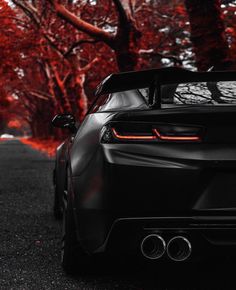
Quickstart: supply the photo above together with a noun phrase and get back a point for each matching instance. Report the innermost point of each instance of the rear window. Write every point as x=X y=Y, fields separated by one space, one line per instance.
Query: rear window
x=211 y=93
x=120 y=101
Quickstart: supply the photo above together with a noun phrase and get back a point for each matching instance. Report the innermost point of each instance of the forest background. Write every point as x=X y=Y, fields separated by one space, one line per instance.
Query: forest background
x=54 y=53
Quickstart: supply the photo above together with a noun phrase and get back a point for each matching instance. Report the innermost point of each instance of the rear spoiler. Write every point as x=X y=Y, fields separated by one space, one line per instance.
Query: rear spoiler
x=155 y=78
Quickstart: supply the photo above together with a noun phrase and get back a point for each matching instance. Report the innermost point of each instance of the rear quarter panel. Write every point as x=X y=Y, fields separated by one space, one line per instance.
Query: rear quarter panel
x=87 y=141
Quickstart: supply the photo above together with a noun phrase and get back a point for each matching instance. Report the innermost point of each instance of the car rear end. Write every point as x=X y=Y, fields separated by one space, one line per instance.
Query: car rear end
x=181 y=186
x=166 y=180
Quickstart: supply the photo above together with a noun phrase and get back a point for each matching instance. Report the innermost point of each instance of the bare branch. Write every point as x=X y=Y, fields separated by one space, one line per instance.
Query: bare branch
x=82 y=25
x=32 y=13
x=29 y=11
x=40 y=95
x=89 y=65
x=122 y=15
x=78 y=43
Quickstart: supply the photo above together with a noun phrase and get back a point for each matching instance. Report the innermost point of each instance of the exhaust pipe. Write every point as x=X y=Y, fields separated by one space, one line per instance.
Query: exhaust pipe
x=153 y=247
x=179 y=249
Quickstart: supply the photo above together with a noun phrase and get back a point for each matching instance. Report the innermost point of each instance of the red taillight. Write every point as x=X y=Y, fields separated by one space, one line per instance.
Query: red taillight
x=175 y=138
x=155 y=135
x=133 y=137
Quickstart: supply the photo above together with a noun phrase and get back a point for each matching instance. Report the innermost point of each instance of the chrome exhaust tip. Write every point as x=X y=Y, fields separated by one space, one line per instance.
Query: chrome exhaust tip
x=153 y=246
x=179 y=249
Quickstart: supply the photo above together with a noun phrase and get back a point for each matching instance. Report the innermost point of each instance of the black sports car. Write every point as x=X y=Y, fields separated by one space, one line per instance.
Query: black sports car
x=151 y=170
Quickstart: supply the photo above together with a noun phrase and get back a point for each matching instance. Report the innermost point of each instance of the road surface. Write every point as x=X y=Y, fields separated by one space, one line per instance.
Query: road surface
x=30 y=239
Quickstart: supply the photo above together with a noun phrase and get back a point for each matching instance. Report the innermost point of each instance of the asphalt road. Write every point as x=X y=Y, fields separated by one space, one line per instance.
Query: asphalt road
x=30 y=239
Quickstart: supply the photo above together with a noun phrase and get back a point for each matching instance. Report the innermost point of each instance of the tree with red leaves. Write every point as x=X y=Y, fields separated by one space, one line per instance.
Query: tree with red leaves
x=208 y=35
x=9 y=33
x=124 y=41
x=63 y=49
x=41 y=77
x=63 y=55
x=60 y=64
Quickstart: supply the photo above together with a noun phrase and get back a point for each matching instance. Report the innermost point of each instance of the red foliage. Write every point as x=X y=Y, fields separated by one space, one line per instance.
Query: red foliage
x=14 y=124
x=47 y=146
x=51 y=64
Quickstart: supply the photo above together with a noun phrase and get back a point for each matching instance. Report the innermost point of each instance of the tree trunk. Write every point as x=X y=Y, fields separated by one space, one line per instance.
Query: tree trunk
x=124 y=42
x=125 y=48
x=32 y=129
x=208 y=35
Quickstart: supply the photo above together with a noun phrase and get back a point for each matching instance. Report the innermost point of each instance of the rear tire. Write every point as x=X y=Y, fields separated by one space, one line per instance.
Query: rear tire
x=73 y=258
x=57 y=207
x=57 y=210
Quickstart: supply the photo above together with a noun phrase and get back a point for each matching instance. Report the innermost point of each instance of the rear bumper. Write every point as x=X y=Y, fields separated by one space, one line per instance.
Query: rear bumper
x=209 y=237
x=122 y=196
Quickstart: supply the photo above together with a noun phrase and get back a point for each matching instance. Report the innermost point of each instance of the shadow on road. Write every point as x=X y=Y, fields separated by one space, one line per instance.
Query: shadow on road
x=142 y=276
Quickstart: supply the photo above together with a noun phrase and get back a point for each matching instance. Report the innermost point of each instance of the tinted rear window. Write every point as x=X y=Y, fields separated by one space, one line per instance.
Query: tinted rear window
x=120 y=101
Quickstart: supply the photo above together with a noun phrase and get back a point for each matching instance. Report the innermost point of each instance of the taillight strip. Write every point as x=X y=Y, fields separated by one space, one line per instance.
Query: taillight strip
x=132 y=137
x=176 y=138
x=157 y=135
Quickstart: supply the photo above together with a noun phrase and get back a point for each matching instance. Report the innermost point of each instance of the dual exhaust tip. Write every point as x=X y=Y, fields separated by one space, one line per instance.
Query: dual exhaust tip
x=154 y=247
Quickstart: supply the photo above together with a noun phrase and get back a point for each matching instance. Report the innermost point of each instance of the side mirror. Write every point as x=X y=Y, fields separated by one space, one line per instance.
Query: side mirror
x=65 y=121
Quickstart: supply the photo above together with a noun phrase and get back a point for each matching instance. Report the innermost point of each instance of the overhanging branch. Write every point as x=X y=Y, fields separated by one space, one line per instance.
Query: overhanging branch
x=82 y=25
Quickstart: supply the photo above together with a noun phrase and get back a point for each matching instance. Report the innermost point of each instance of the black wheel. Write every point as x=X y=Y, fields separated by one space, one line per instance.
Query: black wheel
x=57 y=206
x=73 y=258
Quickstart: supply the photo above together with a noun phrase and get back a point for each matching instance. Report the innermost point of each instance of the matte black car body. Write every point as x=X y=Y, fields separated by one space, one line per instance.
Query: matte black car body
x=123 y=190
